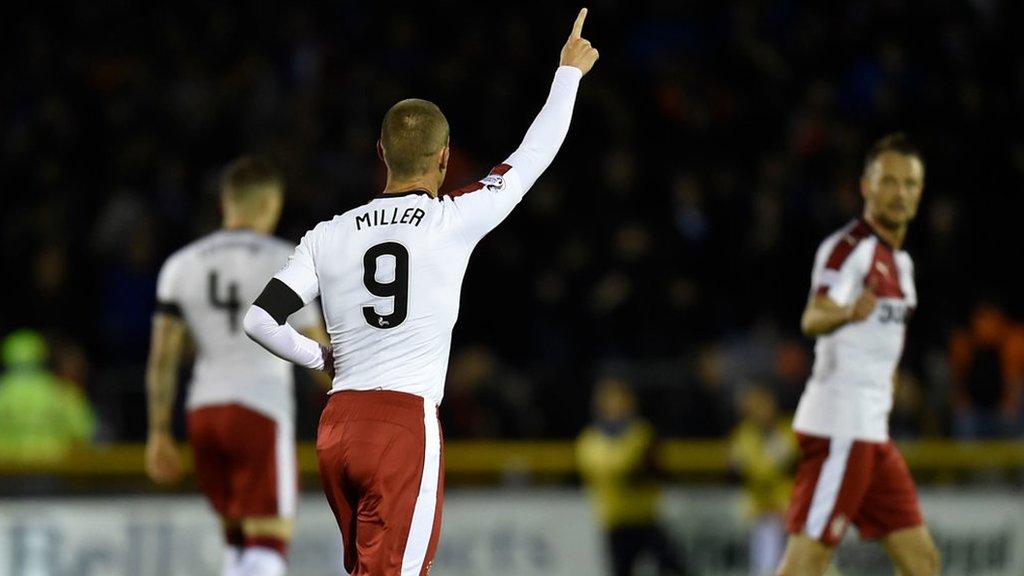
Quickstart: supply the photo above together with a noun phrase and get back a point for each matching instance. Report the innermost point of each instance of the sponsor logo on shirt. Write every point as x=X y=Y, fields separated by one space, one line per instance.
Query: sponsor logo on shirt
x=893 y=313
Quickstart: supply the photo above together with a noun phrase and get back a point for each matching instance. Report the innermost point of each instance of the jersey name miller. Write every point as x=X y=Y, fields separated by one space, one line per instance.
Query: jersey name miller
x=389 y=273
x=385 y=217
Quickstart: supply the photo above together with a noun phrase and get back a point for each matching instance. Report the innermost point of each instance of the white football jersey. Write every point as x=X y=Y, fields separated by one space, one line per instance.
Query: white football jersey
x=850 y=390
x=210 y=283
x=389 y=275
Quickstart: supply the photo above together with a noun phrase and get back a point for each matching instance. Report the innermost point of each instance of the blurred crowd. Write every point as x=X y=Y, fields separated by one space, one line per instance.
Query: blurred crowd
x=670 y=244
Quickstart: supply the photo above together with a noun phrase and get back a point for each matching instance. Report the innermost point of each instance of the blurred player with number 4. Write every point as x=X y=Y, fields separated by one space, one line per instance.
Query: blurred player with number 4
x=388 y=274
x=240 y=402
x=862 y=296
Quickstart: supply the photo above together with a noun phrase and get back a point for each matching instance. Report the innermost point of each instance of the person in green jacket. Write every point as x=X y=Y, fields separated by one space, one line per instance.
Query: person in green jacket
x=41 y=416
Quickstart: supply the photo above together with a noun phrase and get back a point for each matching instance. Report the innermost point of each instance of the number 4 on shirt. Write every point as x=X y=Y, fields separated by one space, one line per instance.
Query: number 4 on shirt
x=232 y=305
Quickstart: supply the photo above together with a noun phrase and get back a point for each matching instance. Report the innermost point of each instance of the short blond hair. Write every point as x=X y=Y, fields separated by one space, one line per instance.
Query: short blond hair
x=248 y=176
x=412 y=133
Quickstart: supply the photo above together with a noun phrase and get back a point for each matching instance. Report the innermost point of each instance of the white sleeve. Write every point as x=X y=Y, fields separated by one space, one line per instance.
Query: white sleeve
x=282 y=340
x=483 y=205
x=299 y=273
x=839 y=272
x=168 y=284
x=907 y=280
x=308 y=317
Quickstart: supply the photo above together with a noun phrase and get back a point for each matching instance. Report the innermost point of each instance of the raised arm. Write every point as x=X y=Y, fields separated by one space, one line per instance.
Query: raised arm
x=483 y=205
x=549 y=128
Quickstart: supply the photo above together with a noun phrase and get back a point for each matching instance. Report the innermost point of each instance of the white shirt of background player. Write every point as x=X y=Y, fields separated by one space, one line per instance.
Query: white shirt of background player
x=891 y=186
x=850 y=390
x=190 y=299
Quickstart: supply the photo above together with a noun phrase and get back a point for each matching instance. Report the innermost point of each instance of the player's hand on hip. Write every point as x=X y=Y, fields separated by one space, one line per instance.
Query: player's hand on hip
x=163 y=463
x=578 y=52
x=865 y=303
x=327 y=353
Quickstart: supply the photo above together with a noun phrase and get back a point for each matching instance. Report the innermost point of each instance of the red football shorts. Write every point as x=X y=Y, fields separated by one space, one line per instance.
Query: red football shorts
x=382 y=469
x=245 y=461
x=842 y=481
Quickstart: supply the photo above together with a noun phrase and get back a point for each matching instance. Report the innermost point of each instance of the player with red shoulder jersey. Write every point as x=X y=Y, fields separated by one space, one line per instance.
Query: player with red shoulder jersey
x=862 y=296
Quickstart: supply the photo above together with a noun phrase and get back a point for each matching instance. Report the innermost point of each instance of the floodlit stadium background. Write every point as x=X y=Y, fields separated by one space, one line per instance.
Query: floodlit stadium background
x=670 y=244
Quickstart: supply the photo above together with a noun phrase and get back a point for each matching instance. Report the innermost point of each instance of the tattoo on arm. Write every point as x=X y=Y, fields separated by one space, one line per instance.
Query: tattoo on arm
x=168 y=336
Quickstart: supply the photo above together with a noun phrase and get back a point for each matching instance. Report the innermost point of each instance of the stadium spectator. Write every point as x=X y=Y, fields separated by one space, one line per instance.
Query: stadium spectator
x=41 y=416
x=987 y=362
x=762 y=451
x=484 y=399
x=615 y=455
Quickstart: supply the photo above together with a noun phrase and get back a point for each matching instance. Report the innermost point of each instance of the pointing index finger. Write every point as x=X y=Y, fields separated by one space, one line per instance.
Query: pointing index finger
x=577 y=26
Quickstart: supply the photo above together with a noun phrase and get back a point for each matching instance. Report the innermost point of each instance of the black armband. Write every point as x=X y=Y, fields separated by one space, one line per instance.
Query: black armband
x=169 y=308
x=279 y=301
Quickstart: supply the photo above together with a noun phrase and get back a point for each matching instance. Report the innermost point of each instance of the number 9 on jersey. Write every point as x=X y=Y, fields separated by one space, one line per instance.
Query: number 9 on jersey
x=398 y=288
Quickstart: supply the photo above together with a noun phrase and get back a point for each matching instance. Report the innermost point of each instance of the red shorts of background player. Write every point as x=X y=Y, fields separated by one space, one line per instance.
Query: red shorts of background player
x=245 y=461
x=844 y=481
x=382 y=469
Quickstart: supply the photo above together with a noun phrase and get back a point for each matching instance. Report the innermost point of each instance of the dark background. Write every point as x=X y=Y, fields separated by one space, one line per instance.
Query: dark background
x=714 y=145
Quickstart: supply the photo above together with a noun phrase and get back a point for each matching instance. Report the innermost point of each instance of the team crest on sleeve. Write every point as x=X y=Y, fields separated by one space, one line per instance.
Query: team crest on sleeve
x=493 y=182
